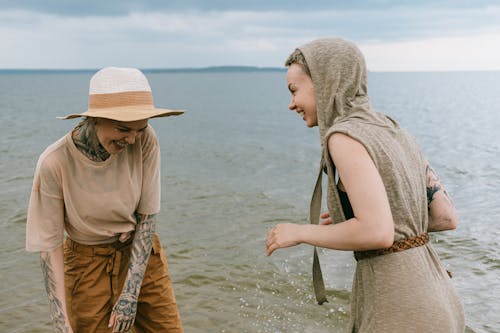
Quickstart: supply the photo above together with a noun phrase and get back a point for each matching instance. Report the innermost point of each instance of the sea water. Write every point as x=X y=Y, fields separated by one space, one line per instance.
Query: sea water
x=237 y=163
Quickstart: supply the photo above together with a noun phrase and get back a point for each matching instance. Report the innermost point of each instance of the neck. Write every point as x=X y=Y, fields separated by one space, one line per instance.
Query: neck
x=85 y=138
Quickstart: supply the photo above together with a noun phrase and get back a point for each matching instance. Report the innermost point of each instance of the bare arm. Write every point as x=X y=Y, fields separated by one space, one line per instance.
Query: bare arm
x=442 y=213
x=52 y=266
x=124 y=311
x=371 y=228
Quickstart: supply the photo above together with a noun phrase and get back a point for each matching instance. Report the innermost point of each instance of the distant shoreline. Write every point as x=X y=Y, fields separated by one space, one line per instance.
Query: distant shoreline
x=211 y=69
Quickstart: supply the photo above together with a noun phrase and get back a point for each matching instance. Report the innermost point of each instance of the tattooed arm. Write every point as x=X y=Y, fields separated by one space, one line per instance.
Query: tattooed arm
x=442 y=213
x=52 y=266
x=124 y=311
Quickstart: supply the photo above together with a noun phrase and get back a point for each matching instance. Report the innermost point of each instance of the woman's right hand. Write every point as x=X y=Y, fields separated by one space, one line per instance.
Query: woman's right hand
x=327 y=219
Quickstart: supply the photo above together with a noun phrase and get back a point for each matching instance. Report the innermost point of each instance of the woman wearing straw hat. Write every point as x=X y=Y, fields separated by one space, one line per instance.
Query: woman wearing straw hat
x=100 y=184
x=387 y=198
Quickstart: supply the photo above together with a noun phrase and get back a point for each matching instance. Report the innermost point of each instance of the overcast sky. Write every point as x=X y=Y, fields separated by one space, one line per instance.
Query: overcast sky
x=393 y=35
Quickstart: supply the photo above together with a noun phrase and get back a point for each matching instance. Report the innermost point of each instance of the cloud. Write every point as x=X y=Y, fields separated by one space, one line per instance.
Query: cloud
x=125 y=7
x=193 y=38
x=478 y=52
x=140 y=39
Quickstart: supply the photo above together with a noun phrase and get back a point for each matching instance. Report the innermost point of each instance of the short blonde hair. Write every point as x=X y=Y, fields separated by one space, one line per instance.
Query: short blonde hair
x=297 y=57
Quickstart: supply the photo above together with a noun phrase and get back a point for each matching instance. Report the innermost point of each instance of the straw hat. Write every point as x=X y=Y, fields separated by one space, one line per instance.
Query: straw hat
x=121 y=94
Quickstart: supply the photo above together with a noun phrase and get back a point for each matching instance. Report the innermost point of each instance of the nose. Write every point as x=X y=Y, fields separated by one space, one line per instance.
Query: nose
x=292 y=105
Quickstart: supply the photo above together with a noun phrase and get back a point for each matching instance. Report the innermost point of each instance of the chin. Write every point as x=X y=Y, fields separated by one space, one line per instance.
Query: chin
x=112 y=151
x=117 y=151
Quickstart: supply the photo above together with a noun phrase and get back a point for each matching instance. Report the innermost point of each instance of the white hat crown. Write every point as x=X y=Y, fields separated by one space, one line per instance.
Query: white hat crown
x=111 y=80
x=121 y=94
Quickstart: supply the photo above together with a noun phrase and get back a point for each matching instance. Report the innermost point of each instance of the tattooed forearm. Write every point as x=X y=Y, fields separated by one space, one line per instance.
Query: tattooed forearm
x=141 y=249
x=85 y=138
x=433 y=184
x=56 y=306
x=126 y=306
x=442 y=214
x=431 y=190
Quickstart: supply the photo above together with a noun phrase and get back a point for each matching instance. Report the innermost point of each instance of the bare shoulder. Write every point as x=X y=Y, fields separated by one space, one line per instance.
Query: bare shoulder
x=354 y=164
x=341 y=146
x=339 y=138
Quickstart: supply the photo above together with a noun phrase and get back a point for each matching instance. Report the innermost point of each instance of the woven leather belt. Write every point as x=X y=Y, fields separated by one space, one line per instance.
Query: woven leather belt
x=397 y=246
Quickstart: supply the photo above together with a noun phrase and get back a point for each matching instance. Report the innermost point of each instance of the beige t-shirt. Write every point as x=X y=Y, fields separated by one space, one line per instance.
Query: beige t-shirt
x=94 y=202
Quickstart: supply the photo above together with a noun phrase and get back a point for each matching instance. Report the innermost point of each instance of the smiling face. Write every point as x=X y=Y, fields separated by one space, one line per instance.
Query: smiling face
x=115 y=136
x=303 y=98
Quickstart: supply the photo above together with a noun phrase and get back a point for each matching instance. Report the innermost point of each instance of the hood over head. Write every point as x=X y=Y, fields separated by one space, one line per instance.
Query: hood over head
x=338 y=72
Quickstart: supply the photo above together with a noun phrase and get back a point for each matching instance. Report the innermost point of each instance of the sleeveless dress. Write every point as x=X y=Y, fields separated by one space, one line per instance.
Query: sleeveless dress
x=381 y=300
x=406 y=291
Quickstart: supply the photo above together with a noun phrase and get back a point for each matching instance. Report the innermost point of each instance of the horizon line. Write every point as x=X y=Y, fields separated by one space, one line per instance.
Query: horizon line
x=227 y=68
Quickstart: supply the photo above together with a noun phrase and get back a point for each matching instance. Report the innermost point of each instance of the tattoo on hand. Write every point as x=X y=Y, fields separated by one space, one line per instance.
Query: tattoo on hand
x=125 y=310
x=56 y=306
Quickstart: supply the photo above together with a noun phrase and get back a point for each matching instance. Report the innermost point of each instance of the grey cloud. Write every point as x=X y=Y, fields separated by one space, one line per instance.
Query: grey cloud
x=123 y=7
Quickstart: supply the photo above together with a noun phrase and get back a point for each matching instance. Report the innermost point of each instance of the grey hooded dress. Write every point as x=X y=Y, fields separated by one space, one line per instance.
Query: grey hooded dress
x=406 y=291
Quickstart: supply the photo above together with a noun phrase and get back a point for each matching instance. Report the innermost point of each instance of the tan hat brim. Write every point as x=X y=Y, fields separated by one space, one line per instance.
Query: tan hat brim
x=126 y=113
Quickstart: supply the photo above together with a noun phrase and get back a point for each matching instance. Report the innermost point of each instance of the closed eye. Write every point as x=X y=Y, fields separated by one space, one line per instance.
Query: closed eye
x=127 y=130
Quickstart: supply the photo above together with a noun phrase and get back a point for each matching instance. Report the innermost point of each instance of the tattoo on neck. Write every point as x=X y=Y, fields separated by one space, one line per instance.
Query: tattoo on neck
x=85 y=138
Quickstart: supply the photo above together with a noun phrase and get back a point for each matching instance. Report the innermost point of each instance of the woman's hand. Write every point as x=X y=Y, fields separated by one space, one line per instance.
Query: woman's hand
x=288 y=234
x=281 y=236
x=326 y=216
x=123 y=314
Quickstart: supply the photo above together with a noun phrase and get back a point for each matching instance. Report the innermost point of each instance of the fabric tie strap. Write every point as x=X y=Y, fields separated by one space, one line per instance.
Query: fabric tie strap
x=314 y=213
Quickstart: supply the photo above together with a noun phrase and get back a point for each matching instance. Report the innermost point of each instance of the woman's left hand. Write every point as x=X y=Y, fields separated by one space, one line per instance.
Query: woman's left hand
x=326 y=218
x=123 y=314
x=282 y=235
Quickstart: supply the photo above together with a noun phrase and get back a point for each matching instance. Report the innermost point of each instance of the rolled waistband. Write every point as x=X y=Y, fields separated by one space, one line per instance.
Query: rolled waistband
x=397 y=246
x=100 y=249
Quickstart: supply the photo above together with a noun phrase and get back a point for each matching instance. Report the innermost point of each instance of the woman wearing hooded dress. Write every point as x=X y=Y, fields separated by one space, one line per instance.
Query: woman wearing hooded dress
x=383 y=198
x=100 y=184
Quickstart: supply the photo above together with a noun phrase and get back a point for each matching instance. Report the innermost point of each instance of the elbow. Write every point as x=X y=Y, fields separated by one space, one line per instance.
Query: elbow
x=444 y=222
x=384 y=236
x=452 y=222
x=450 y=219
x=379 y=235
x=386 y=239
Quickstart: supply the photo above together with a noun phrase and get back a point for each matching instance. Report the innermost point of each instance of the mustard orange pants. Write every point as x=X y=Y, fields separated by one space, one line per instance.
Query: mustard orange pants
x=94 y=277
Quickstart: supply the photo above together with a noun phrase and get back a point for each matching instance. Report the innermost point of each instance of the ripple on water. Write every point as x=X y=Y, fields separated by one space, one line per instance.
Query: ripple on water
x=229 y=175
